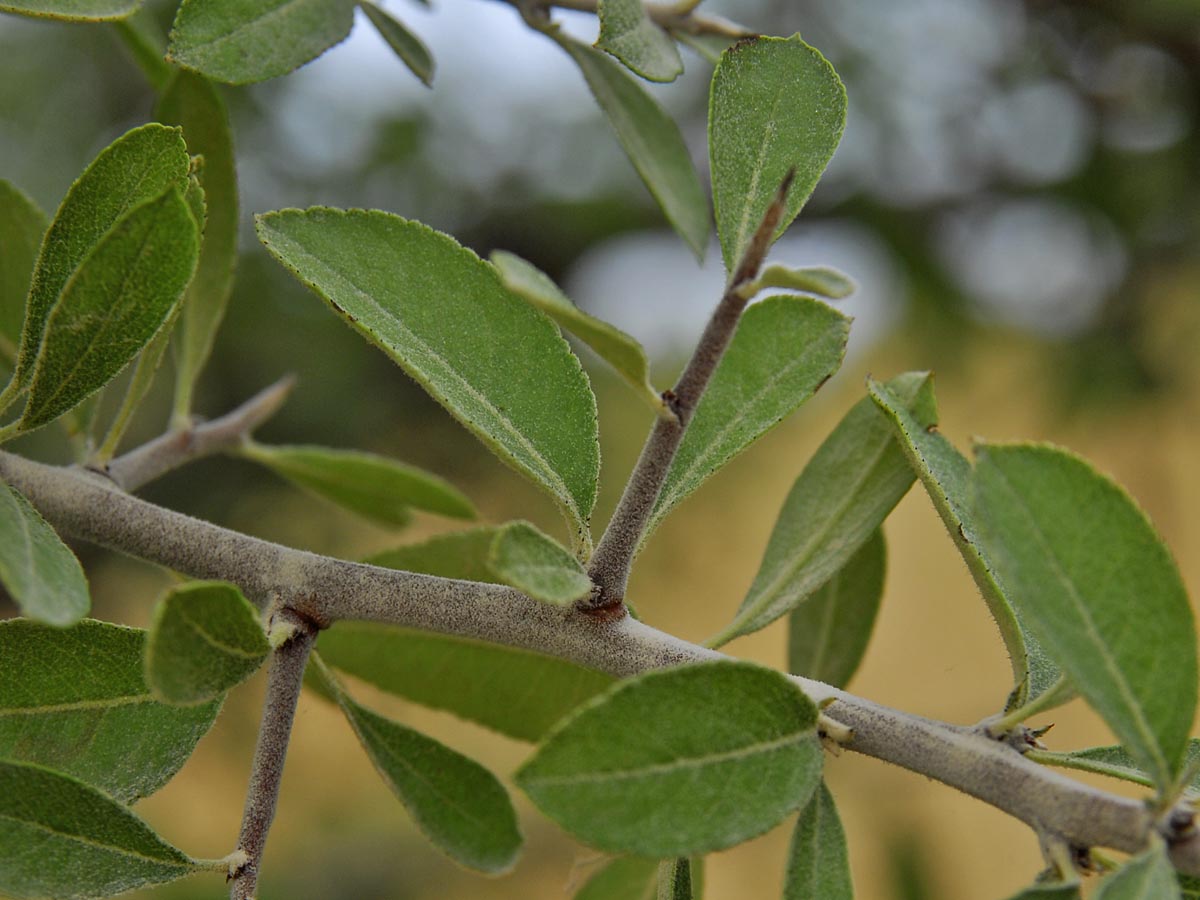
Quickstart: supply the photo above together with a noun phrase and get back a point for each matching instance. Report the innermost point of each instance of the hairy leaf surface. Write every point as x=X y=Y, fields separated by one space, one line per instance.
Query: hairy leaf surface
x=1149 y=876
x=515 y=692
x=509 y=377
x=76 y=700
x=675 y=879
x=206 y=638
x=537 y=565
x=1117 y=762
x=22 y=225
x=73 y=10
x=652 y=142
x=139 y=166
x=848 y=488
x=784 y=349
x=373 y=486
x=62 y=838
x=406 y=45
x=1088 y=574
x=38 y=570
x=460 y=554
x=776 y=103
x=627 y=32
x=818 y=862
x=1049 y=892
x=679 y=761
x=624 y=878
x=820 y=280
x=115 y=302
x=614 y=346
x=828 y=633
x=242 y=41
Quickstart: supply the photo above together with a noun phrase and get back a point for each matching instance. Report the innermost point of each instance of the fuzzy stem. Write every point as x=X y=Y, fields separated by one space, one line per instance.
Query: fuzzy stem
x=279 y=710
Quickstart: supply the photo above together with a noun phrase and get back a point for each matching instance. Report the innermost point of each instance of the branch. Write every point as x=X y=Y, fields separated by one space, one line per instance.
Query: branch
x=610 y=565
x=176 y=448
x=323 y=590
x=279 y=710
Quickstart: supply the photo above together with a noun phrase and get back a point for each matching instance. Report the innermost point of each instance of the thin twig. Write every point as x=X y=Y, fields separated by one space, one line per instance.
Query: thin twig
x=324 y=590
x=279 y=710
x=176 y=448
x=676 y=17
x=610 y=565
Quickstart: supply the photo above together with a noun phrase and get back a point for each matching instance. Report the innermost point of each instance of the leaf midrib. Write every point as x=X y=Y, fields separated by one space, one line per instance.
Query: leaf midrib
x=108 y=848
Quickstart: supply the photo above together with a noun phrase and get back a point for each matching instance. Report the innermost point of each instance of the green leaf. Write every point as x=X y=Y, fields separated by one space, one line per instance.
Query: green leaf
x=139 y=166
x=76 y=700
x=628 y=33
x=707 y=46
x=1115 y=762
x=460 y=554
x=946 y=475
x=22 y=225
x=624 y=878
x=775 y=103
x=652 y=142
x=819 y=862
x=675 y=879
x=1149 y=876
x=62 y=838
x=828 y=632
x=73 y=10
x=373 y=486
x=242 y=41
x=206 y=638
x=1072 y=549
x=1049 y=892
x=406 y=45
x=195 y=104
x=116 y=301
x=1189 y=887
x=679 y=761
x=784 y=349
x=515 y=692
x=510 y=377
x=848 y=488
x=820 y=280
x=38 y=570
x=537 y=565
x=457 y=803
x=614 y=346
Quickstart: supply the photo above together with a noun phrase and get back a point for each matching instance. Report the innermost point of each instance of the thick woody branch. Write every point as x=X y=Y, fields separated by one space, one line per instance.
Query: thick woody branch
x=610 y=565
x=279 y=710
x=177 y=448
x=322 y=590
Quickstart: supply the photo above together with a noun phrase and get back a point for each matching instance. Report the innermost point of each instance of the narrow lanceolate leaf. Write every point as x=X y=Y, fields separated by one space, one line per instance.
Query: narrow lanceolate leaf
x=784 y=349
x=373 y=486
x=1049 y=892
x=1149 y=876
x=848 y=488
x=62 y=838
x=116 y=301
x=38 y=570
x=194 y=103
x=614 y=346
x=206 y=638
x=624 y=878
x=406 y=45
x=22 y=225
x=675 y=879
x=515 y=692
x=242 y=41
x=946 y=475
x=537 y=565
x=820 y=280
x=137 y=167
x=775 y=104
x=652 y=142
x=1087 y=573
x=460 y=554
x=510 y=377
x=628 y=33
x=819 y=862
x=77 y=701
x=1117 y=762
x=457 y=803
x=73 y=10
x=828 y=632
x=679 y=761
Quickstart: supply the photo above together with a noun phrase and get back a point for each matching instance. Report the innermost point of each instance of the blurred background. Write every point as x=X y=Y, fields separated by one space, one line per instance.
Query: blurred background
x=1018 y=196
